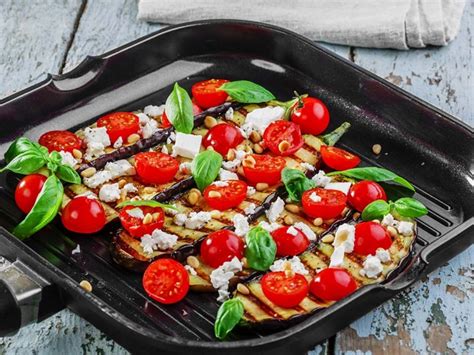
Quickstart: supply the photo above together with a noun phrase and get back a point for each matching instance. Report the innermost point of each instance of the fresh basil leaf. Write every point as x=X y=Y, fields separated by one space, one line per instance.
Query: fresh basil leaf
x=205 y=168
x=296 y=183
x=409 y=207
x=333 y=137
x=149 y=203
x=179 y=110
x=20 y=145
x=375 y=210
x=26 y=162
x=228 y=316
x=247 y=92
x=68 y=174
x=395 y=191
x=44 y=210
x=261 y=249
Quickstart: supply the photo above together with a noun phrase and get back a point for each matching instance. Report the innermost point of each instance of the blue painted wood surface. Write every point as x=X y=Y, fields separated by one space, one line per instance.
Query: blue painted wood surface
x=434 y=316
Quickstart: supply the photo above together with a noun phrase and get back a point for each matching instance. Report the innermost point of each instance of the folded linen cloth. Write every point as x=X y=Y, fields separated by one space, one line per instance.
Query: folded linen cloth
x=399 y=24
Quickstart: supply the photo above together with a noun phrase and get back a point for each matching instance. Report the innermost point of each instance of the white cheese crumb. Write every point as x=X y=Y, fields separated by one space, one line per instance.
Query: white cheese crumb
x=241 y=224
x=118 y=143
x=67 y=158
x=339 y=186
x=154 y=111
x=129 y=188
x=179 y=219
x=345 y=236
x=276 y=208
x=405 y=228
x=388 y=220
x=109 y=192
x=251 y=191
x=76 y=250
x=94 y=150
x=171 y=138
x=295 y=262
x=229 y=114
x=383 y=255
x=307 y=166
x=197 y=220
x=307 y=231
x=225 y=175
x=142 y=118
x=120 y=168
x=149 y=128
x=221 y=276
x=321 y=179
x=250 y=208
x=232 y=165
x=135 y=213
x=158 y=240
x=97 y=179
x=187 y=145
x=337 y=256
x=88 y=194
x=223 y=295
x=260 y=119
x=220 y=183
x=190 y=269
x=372 y=267
x=292 y=231
x=314 y=197
x=269 y=227
x=97 y=135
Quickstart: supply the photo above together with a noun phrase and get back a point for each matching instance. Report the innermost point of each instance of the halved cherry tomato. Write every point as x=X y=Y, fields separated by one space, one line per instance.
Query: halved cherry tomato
x=60 y=140
x=284 y=291
x=166 y=281
x=283 y=137
x=27 y=191
x=165 y=122
x=83 y=215
x=119 y=124
x=155 y=167
x=312 y=115
x=224 y=197
x=331 y=204
x=206 y=93
x=369 y=236
x=289 y=244
x=221 y=246
x=338 y=159
x=332 y=284
x=222 y=137
x=267 y=169
x=365 y=192
x=135 y=226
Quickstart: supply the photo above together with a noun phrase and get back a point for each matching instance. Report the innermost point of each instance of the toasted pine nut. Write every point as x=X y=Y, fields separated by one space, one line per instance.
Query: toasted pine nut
x=257 y=148
x=288 y=269
x=87 y=173
x=155 y=216
x=329 y=238
x=215 y=194
x=249 y=161
x=376 y=221
x=209 y=121
x=243 y=289
x=288 y=220
x=86 y=285
x=356 y=216
x=215 y=214
x=318 y=221
x=261 y=186
x=292 y=208
x=377 y=148
x=193 y=197
x=76 y=153
x=241 y=147
x=240 y=171
x=149 y=190
x=193 y=261
x=244 y=262
x=255 y=137
x=133 y=138
x=231 y=154
x=148 y=218
x=122 y=183
x=283 y=146
x=392 y=231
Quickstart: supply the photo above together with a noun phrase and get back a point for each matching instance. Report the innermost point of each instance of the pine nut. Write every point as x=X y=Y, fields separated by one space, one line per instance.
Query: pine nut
x=193 y=197
x=283 y=146
x=255 y=137
x=244 y=262
x=240 y=171
x=231 y=155
x=86 y=285
x=243 y=289
x=292 y=208
x=376 y=221
x=193 y=261
x=249 y=161
x=215 y=194
x=288 y=220
x=377 y=149
x=288 y=269
x=318 y=221
x=76 y=153
x=209 y=121
x=149 y=190
x=133 y=138
x=392 y=231
x=257 y=148
x=356 y=216
x=261 y=186
x=155 y=216
x=87 y=173
x=122 y=183
x=148 y=218
x=329 y=238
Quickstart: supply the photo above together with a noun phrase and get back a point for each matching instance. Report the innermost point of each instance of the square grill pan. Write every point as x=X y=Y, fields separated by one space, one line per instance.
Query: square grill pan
x=421 y=143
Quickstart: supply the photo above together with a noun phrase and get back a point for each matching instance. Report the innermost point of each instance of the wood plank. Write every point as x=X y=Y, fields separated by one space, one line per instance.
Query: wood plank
x=31 y=43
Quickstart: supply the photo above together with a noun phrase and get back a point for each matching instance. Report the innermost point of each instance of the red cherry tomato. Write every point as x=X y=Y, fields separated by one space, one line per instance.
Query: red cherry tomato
x=365 y=192
x=166 y=281
x=224 y=197
x=83 y=215
x=60 y=140
x=289 y=244
x=221 y=246
x=284 y=291
x=369 y=236
x=279 y=132
x=338 y=159
x=223 y=137
x=331 y=205
x=332 y=284
x=206 y=93
x=267 y=169
x=155 y=167
x=165 y=122
x=27 y=191
x=135 y=226
x=312 y=116
x=119 y=124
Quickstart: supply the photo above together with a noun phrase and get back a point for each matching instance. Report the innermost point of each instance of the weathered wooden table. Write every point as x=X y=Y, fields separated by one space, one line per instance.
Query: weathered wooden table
x=435 y=316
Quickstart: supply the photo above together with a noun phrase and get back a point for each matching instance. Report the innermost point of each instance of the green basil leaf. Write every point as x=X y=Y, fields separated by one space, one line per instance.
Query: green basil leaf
x=409 y=207
x=68 y=174
x=333 y=137
x=375 y=210
x=228 y=316
x=149 y=203
x=247 y=92
x=44 y=210
x=296 y=183
x=179 y=110
x=20 y=145
x=26 y=162
x=394 y=191
x=261 y=249
x=205 y=168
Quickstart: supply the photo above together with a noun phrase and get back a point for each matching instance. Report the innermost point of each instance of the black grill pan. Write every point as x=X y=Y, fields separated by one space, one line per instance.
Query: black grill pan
x=425 y=145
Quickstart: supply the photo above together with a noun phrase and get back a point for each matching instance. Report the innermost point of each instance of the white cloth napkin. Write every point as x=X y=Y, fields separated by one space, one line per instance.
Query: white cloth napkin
x=399 y=24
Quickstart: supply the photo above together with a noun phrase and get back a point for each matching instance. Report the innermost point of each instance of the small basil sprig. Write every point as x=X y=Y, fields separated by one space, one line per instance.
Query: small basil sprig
x=228 y=316
x=205 y=168
x=261 y=249
x=247 y=92
x=149 y=203
x=179 y=110
x=296 y=183
x=405 y=207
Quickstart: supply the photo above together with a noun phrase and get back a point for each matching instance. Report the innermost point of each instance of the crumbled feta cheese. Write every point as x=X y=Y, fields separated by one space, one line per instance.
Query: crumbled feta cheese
x=232 y=165
x=97 y=179
x=388 y=220
x=383 y=255
x=340 y=186
x=314 y=197
x=120 y=168
x=405 y=228
x=225 y=175
x=96 y=135
x=158 y=240
x=187 y=145
x=251 y=191
x=154 y=111
x=129 y=188
x=295 y=263
x=109 y=192
x=185 y=167
x=135 y=213
x=220 y=183
x=260 y=119
x=197 y=220
x=345 y=236
x=372 y=267
x=337 y=256
x=321 y=179
x=229 y=114
x=276 y=208
x=269 y=227
x=142 y=118
x=307 y=166
x=223 y=295
x=179 y=219
x=164 y=149
x=171 y=138
x=292 y=231
x=190 y=270
x=149 y=128
x=67 y=158
x=221 y=276
x=118 y=143
x=94 y=150
x=241 y=224
x=307 y=231
x=76 y=250
x=250 y=208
